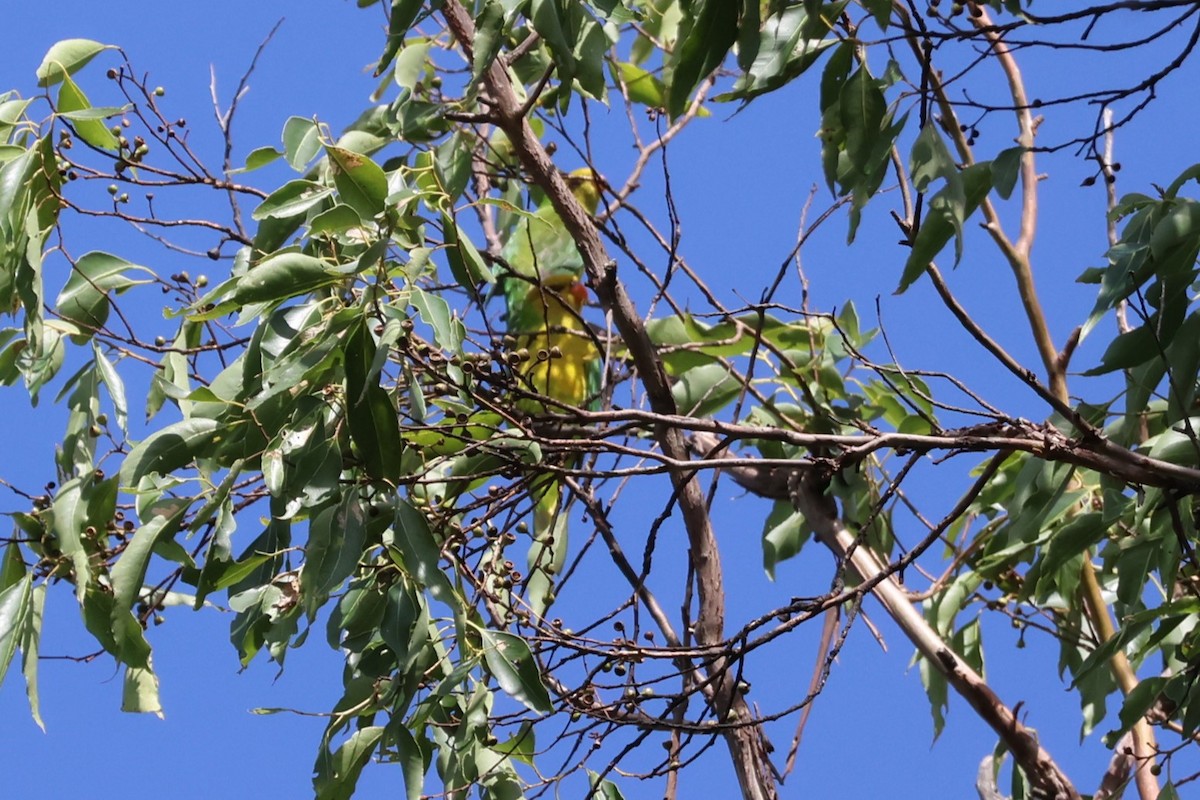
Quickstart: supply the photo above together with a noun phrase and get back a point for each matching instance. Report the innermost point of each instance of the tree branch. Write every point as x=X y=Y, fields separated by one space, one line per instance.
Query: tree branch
x=807 y=488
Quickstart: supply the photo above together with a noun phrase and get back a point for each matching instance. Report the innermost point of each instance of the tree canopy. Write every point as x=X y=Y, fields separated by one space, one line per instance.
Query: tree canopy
x=341 y=446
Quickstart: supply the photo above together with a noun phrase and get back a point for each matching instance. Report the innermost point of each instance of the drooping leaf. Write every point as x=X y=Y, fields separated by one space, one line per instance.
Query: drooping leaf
x=945 y=220
x=418 y=551
x=336 y=537
x=411 y=64
x=862 y=110
x=789 y=42
x=466 y=265
x=709 y=30
x=129 y=572
x=30 y=644
x=400 y=19
x=784 y=533
x=703 y=390
x=95 y=131
x=15 y=606
x=510 y=661
x=374 y=424
x=337 y=773
x=139 y=694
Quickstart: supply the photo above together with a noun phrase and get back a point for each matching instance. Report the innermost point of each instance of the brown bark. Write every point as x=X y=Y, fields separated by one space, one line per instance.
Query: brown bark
x=820 y=513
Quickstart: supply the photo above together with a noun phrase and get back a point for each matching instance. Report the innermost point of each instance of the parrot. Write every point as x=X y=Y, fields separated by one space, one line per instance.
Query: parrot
x=543 y=300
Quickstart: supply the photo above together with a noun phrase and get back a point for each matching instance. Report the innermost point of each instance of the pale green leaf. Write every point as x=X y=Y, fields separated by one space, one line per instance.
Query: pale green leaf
x=140 y=692
x=66 y=58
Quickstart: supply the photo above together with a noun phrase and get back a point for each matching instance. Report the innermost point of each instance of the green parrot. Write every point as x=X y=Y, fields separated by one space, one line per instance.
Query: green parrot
x=543 y=301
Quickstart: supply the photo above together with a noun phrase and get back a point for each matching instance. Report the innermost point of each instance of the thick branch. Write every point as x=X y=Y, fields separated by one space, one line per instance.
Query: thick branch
x=745 y=743
x=820 y=513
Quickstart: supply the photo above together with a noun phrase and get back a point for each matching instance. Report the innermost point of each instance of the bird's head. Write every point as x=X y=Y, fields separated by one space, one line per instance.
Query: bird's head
x=570 y=290
x=585 y=184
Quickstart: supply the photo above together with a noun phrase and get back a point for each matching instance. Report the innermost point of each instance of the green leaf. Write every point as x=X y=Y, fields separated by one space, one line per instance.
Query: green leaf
x=1006 y=168
x=937 y=692
x=1176 y=446
x=360 y=182
x=12 y=112
x=704 y=390
x=1139 y=700
x=139 y=694
x=881 y=10
x=169 y=449
x=129 y=572
x=15 y=606
x=12 y=568
x=257 y=158
x=448 y=331
x=338 y=219
x=115 y=385
x=489 y=36
x=69 y=521
x=1128 y=350
x=602 y=788
x=1179 y=229
x=97 y=618
x=784 y=533
x=337 y=773
x=466 y=265
x=66 y=58
x=510 y=661
x=95 y=132
x=642 y=86
x=945 y=220
x=403 y=14
x=418 y=552
x=789 y=43
x=290 y=200
x=554 y=26
x=282 y=276
x=522 y=745
x=336 y=538
x=709 y=30
x=301 y=142
x=862 y=108
x=29 y=645
x=84 y=299
x=374 y=423
x=930 y=159
x=411 y=64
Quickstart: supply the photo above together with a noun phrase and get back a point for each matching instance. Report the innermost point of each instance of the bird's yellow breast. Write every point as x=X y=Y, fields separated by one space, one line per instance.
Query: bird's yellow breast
x=562 y=356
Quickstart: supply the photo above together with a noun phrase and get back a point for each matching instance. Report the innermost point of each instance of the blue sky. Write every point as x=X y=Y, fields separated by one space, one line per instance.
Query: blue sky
x=869 y=735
